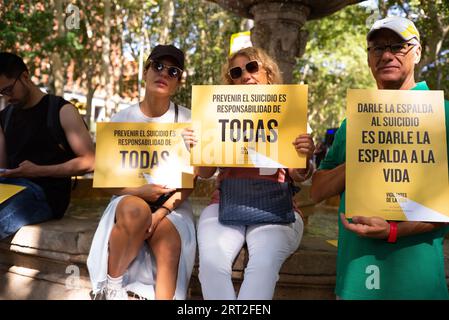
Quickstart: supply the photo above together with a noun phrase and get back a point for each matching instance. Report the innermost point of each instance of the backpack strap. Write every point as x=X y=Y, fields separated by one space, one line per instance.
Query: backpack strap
x=293 y=187
x=8 y=112
x=176 y=113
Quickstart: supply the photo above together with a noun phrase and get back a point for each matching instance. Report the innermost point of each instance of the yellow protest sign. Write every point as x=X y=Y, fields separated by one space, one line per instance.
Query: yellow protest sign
x=133 y=154
x=396 y=155
x=239 y=41
x=248 y=125
x=8 y=190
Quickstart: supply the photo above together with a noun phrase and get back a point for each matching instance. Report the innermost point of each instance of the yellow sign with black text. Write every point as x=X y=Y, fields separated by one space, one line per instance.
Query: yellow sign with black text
x=248 y=125
x=9 y=190
x=396 y=155
x=134 y=154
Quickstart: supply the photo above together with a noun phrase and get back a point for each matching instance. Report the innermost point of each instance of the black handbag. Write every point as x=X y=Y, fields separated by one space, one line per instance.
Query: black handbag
x=256 y=201
x=160 y=201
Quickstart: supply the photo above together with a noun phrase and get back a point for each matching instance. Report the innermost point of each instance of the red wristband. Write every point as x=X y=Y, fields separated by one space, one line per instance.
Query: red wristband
x=392 y=237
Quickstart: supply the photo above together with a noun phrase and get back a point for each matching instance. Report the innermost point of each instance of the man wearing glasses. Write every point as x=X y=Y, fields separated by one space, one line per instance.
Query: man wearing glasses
x=407 y=257
x=31 y=152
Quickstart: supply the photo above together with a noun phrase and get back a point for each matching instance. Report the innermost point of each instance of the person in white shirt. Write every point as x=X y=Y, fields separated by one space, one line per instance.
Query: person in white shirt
x=147 y=231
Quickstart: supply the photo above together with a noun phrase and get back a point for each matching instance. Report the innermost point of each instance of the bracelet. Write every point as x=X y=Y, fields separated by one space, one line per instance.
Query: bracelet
x=392 y=237
x=169 y=211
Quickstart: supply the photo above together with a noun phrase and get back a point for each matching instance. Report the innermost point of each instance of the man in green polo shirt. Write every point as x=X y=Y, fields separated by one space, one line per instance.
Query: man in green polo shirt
x=410 y=265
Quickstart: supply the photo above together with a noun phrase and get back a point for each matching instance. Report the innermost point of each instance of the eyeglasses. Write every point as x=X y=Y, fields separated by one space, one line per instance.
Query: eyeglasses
x=8 y=90
x=173 y=72
x=251 y=67
x=395 y=48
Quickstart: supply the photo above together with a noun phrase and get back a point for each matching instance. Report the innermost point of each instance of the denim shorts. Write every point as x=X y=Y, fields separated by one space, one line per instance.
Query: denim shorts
x=29 y=206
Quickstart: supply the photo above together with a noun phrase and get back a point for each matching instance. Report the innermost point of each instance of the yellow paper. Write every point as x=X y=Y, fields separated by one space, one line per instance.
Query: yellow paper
x=396 y=155
x=248 y=125
x=239 y=41
x=333 y=242
x=134 y=154
x=8 y=190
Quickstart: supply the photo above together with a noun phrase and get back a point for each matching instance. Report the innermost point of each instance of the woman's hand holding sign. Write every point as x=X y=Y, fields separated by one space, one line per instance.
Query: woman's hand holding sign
x=190 y=138
x=304 y=144
x=190 y=141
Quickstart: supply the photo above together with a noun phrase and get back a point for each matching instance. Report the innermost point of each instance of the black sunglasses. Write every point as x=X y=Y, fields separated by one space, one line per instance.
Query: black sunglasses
x=251 y=67
x=173 y=72
x=8 y=90
x=395 y=48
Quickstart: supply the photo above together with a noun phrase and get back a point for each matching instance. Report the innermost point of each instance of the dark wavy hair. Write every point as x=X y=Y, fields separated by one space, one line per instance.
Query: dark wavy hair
x=11 y=65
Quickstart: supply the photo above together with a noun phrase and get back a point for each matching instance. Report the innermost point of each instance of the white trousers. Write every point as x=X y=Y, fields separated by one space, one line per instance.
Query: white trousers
x=269 y=245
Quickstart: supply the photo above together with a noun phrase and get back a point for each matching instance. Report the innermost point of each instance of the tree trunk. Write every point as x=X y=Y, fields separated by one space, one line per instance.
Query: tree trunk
x=435 y=38
x=118 y=74
x=106 y=58
x=167 y=13
x=57 y=64
x=141 y=58
x=91 y=88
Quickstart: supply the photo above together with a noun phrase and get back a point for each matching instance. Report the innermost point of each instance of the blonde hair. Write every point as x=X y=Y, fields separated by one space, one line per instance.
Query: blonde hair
x=253 y=53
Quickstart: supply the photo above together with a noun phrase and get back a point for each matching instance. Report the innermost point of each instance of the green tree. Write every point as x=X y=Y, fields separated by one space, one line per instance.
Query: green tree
x=28 y=29
x=205 y=37
x=335 y=57
x=334 y=61
x=200 y=28
x=432 y=20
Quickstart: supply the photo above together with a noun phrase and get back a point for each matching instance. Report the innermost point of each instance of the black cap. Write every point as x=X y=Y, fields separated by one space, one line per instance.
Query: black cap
x=168 y=51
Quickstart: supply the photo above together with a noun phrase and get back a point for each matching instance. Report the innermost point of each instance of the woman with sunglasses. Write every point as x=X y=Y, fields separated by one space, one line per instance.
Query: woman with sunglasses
x=269 y=245
x=145 y=242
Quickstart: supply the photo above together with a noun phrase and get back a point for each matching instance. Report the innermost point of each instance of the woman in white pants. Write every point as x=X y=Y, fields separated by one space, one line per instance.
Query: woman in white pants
x=269 y=245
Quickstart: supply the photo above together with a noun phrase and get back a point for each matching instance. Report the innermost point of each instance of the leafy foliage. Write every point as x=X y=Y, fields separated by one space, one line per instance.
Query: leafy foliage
x=335 y=60
x=335 y=57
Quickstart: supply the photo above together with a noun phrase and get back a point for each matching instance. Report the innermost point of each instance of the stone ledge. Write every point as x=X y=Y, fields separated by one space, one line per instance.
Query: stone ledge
x=48 y=254
x=42 y=264
x=37 y=256
x=68 y=241
x=68 y=236
x=82 y=282
x=27 y=284
x=43 y=252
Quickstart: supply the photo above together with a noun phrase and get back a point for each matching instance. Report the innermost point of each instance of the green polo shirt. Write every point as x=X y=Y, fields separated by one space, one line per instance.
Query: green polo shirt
x=412 y=268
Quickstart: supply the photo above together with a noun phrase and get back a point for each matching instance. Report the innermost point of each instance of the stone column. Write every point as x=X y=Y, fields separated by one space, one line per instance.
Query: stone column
x=277 y=29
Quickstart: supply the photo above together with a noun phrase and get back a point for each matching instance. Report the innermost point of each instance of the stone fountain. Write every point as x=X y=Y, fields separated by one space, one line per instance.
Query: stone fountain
x=278 y=25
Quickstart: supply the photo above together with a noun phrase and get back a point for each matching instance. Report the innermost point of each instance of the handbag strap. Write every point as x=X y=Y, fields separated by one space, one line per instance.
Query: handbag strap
x=293 y=187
